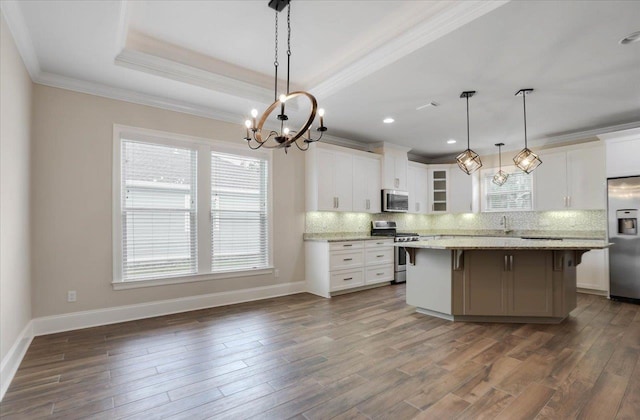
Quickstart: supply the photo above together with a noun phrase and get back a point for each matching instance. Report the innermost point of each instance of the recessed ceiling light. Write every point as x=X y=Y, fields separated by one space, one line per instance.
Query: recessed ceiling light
x=634 y=37
x=388 y=120
x=451 y=141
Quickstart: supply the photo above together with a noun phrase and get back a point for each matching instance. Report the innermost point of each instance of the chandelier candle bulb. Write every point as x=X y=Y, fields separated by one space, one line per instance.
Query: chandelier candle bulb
x=321 y=114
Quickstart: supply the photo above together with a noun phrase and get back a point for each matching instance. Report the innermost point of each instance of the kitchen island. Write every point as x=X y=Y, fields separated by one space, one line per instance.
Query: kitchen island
x=491 y=279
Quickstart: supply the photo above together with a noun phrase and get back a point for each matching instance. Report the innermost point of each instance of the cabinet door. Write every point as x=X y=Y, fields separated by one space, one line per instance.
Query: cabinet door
x=366 y=184
x=326 y=176
x=401 y=169
x=343 y=181
x=417 y=184
x=550 y=181
x=462 y=190
x=587 y=179
x=485 y=283
x=439 y=187
x=531 y=283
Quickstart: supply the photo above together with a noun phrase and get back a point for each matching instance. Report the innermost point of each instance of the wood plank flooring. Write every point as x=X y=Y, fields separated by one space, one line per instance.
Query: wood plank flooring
x=358 y=356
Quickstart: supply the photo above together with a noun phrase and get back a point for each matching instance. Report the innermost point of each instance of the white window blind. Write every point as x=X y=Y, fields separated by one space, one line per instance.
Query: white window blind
x=158 y=187
x=239 y=219
x=515 y=194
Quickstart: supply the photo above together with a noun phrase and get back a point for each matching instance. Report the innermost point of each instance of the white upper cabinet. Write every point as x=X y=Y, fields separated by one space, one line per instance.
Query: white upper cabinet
x=394 y=166
x=329 y=180
x=418 y=187
x=464 y=195
x=573 y=179
x=439 y=187
x=366 y=184
x=342 y=179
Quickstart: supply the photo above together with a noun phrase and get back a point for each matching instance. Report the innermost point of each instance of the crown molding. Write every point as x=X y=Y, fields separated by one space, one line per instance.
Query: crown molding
x=18 y=28
x=420 y=35
x=92 y=88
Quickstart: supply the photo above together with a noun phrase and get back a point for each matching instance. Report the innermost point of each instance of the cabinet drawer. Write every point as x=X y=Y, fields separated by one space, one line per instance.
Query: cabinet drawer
x=339 y=246
x=347 y=279
x=379 y=256
x=378 y=242
x=379 y=274
x=340 y=260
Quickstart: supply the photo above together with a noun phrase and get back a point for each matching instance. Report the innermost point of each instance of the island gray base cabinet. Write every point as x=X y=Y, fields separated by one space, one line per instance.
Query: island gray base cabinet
x=494 y=285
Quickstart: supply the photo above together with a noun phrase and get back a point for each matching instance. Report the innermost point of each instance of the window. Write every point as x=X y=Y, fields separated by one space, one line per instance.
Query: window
x=238 y=212
x=188 y=209
x=158 y=210
x=514 y=195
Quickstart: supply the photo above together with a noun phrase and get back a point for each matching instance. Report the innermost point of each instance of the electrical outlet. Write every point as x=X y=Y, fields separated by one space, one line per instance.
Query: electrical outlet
x=71 y=296
x=276 y=273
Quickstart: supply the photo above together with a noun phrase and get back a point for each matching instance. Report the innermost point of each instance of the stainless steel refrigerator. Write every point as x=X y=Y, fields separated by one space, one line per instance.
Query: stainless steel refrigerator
x=624 y=254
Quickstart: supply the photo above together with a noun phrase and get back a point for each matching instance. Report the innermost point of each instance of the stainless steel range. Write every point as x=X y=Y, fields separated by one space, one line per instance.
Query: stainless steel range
x=388 y=228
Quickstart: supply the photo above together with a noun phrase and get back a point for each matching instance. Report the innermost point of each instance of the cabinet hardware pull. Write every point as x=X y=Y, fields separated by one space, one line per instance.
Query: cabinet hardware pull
x=506 y=263
x=510 y=262
x=569 y=200
x=379 y=256
x=348 y=245
x=347 y=259
x=379 y=243
x=338 y=200
x=348 y=278
x=379 y=274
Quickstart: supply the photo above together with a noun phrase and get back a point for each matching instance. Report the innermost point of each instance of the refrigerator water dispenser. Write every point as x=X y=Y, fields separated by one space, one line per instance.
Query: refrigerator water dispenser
x=627 y=221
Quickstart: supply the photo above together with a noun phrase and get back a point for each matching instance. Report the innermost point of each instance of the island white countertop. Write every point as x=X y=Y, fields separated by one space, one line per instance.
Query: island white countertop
x=506 y=243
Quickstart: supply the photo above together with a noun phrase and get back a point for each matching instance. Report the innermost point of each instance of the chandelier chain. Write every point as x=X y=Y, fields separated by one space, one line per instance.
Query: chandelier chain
x=288 y=45
x=275 y=63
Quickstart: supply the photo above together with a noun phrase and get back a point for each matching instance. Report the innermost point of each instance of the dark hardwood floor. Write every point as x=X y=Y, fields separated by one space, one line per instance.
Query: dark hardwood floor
x=361 y=355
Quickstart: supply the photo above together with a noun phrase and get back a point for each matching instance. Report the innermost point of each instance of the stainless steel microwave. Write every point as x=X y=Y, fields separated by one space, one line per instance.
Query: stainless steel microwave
x=395 y=201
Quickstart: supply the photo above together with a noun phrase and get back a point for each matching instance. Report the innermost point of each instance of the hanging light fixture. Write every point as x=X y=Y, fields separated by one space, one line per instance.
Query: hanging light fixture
x=501 y=176
x=469 y=161
x=257 y=136
x=526 y=159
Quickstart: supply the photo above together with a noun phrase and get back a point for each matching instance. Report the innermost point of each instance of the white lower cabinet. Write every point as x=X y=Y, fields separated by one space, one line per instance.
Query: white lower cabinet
x=339 y=266
x=592 y=274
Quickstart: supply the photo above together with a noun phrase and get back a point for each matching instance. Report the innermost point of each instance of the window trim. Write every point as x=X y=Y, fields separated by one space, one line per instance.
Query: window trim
x=204 y=147
x=510 y=169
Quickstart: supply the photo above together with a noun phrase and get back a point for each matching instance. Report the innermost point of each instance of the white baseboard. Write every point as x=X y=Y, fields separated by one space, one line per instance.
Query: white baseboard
x=592 y=291
x=97 y=317
x=11 y=361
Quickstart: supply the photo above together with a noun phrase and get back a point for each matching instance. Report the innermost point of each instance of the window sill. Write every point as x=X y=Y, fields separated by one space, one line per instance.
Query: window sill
x=136 y=284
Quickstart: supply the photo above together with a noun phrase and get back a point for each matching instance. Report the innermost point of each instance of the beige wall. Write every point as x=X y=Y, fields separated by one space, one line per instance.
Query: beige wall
x=15 y=139
x=72 y=170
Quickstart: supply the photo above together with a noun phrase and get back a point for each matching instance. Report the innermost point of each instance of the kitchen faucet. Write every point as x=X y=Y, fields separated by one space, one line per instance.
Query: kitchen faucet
x=504 y=224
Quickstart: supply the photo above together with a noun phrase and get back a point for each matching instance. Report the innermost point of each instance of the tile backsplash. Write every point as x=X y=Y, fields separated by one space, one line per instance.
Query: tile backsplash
x=566 y=220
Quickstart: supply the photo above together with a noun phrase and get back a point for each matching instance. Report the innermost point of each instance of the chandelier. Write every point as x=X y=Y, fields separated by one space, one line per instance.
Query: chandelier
x=257 y=136
x=468 y=161
x=526 y=159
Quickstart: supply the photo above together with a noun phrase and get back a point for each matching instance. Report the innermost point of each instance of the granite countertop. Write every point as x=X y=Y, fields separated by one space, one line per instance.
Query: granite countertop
x=506 y=243
x=537 y=234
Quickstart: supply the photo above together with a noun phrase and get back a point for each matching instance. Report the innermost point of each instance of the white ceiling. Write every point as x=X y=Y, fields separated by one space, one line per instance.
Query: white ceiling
x=364 y=61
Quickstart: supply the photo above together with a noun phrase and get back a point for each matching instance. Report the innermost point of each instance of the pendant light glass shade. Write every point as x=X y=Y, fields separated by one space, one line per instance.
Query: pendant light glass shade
x=469 y=161
x=526 y=160
x=501 y=176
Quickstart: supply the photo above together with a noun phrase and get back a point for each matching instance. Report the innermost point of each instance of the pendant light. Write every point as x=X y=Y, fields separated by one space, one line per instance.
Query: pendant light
x=257 y=136
x=526 y=159
x=501 y=176
x=468 y=161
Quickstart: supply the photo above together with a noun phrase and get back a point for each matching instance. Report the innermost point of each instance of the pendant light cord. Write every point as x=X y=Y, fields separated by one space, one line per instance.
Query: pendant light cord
x=468 y=142
x=524 y=107
x=500 y=157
